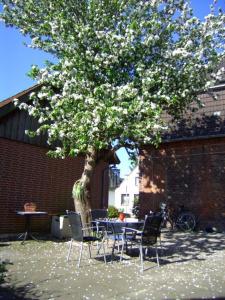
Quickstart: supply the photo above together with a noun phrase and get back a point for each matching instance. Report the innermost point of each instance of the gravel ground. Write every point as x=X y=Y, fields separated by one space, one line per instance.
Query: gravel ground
x=192 y=266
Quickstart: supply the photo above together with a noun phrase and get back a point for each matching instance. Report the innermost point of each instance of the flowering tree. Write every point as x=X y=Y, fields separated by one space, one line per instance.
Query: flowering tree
x=120 y=64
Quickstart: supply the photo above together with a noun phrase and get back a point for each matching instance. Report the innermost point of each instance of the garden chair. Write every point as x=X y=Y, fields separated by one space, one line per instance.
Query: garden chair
x=98 y=214
x=83 y=235
x=113 y=232
x=145 y=238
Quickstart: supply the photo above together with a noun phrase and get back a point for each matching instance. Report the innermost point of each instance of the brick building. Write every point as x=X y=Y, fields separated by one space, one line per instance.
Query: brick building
x=27 y=174
x=188 y=168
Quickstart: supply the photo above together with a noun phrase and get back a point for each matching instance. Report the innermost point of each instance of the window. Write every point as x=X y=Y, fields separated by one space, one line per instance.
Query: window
x=125 y=199
x=136 y=181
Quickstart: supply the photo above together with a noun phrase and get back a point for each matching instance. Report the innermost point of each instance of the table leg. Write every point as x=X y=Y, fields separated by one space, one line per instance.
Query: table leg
x=113 y=248
x=32 y=237
x=25 y=237
x=20 y=235
x=27 y=229
x=27 y=234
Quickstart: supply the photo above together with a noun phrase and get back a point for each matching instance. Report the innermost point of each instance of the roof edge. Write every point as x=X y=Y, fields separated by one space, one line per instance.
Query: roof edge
x=7 y=106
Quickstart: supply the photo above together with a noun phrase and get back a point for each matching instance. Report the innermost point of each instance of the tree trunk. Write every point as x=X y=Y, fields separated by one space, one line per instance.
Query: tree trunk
x=83 y=204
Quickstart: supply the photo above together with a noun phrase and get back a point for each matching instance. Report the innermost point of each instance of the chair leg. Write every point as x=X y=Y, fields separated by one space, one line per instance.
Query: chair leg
x=80 y=255
x=146 y=251
x=118 y=243
x=98 y=247
x=70 y=247
x=141 y=257
x=113 y=249
x=97 y=225
x=160 y=244
x=157 y=256
x=103 y=248
x=89 y=249
x=122 y=248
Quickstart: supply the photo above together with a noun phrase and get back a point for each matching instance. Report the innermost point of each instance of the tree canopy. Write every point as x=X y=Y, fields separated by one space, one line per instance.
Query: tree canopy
x=121 y=64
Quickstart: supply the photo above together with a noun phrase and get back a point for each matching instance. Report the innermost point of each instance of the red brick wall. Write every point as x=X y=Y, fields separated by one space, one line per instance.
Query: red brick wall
x=27 y=174
x=190 y=173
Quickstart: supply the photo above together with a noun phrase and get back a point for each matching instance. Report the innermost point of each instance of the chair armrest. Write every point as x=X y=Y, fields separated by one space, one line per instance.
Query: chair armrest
x=93 y=227
x=94 y=222
x=131 y=229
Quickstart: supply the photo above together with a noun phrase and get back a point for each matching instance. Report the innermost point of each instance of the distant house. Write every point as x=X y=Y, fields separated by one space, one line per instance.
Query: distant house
x=189 y=166
x=114 y=182
x=27 y=174
x=128 y=191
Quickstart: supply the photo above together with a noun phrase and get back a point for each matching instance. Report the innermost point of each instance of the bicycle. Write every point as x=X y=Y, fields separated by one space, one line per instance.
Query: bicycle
x=183 y=219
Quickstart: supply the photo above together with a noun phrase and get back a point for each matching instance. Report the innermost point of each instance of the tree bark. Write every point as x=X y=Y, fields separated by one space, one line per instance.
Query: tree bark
x=83 y=206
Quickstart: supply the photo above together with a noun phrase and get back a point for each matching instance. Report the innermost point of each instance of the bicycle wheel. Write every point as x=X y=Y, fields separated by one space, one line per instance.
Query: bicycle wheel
x=186 y=221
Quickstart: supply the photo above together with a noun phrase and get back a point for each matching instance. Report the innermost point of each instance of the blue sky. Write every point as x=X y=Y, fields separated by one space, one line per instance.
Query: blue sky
x=16 y=60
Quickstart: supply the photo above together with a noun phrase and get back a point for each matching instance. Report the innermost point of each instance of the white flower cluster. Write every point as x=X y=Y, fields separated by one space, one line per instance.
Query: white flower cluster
x=120 y=65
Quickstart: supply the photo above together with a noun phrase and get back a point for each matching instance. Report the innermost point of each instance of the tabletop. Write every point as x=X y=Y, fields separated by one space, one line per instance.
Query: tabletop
x=29 y=213
x=118 y=221
x=117 y=225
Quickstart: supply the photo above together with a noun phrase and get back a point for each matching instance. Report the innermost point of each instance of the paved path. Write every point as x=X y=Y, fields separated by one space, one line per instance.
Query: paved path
x=192 y=267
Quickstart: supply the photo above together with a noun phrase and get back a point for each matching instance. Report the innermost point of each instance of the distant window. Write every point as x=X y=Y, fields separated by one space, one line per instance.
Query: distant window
x=136 y=181
x=125 y=199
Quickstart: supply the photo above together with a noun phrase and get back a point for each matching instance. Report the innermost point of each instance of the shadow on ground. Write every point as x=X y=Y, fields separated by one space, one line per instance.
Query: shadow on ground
x=181 y=247
x=191 y=246
x=9 y=292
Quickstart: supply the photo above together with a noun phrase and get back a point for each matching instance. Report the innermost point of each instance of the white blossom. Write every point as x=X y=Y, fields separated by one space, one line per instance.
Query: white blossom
x=117 y=68
x=16 y=101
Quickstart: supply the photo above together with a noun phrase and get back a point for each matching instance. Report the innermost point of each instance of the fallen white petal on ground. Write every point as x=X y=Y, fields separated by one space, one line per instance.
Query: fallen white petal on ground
x=192 y=266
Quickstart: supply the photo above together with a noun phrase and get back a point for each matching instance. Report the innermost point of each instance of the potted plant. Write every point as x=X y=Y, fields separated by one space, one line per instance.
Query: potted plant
x=121 y=214
x=113 y=212
x=30 y=206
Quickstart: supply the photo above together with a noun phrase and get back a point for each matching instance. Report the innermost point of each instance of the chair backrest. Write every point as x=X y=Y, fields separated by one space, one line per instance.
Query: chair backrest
x=151 y=229
x=98 y=214
x=116 y=227
x=76 y=225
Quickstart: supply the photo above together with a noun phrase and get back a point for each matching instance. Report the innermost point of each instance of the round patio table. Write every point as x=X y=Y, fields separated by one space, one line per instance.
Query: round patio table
x=115 y=231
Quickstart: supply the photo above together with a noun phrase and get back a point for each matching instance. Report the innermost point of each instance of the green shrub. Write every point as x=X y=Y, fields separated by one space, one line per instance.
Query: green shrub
x=2 y=272
x=113 y=212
